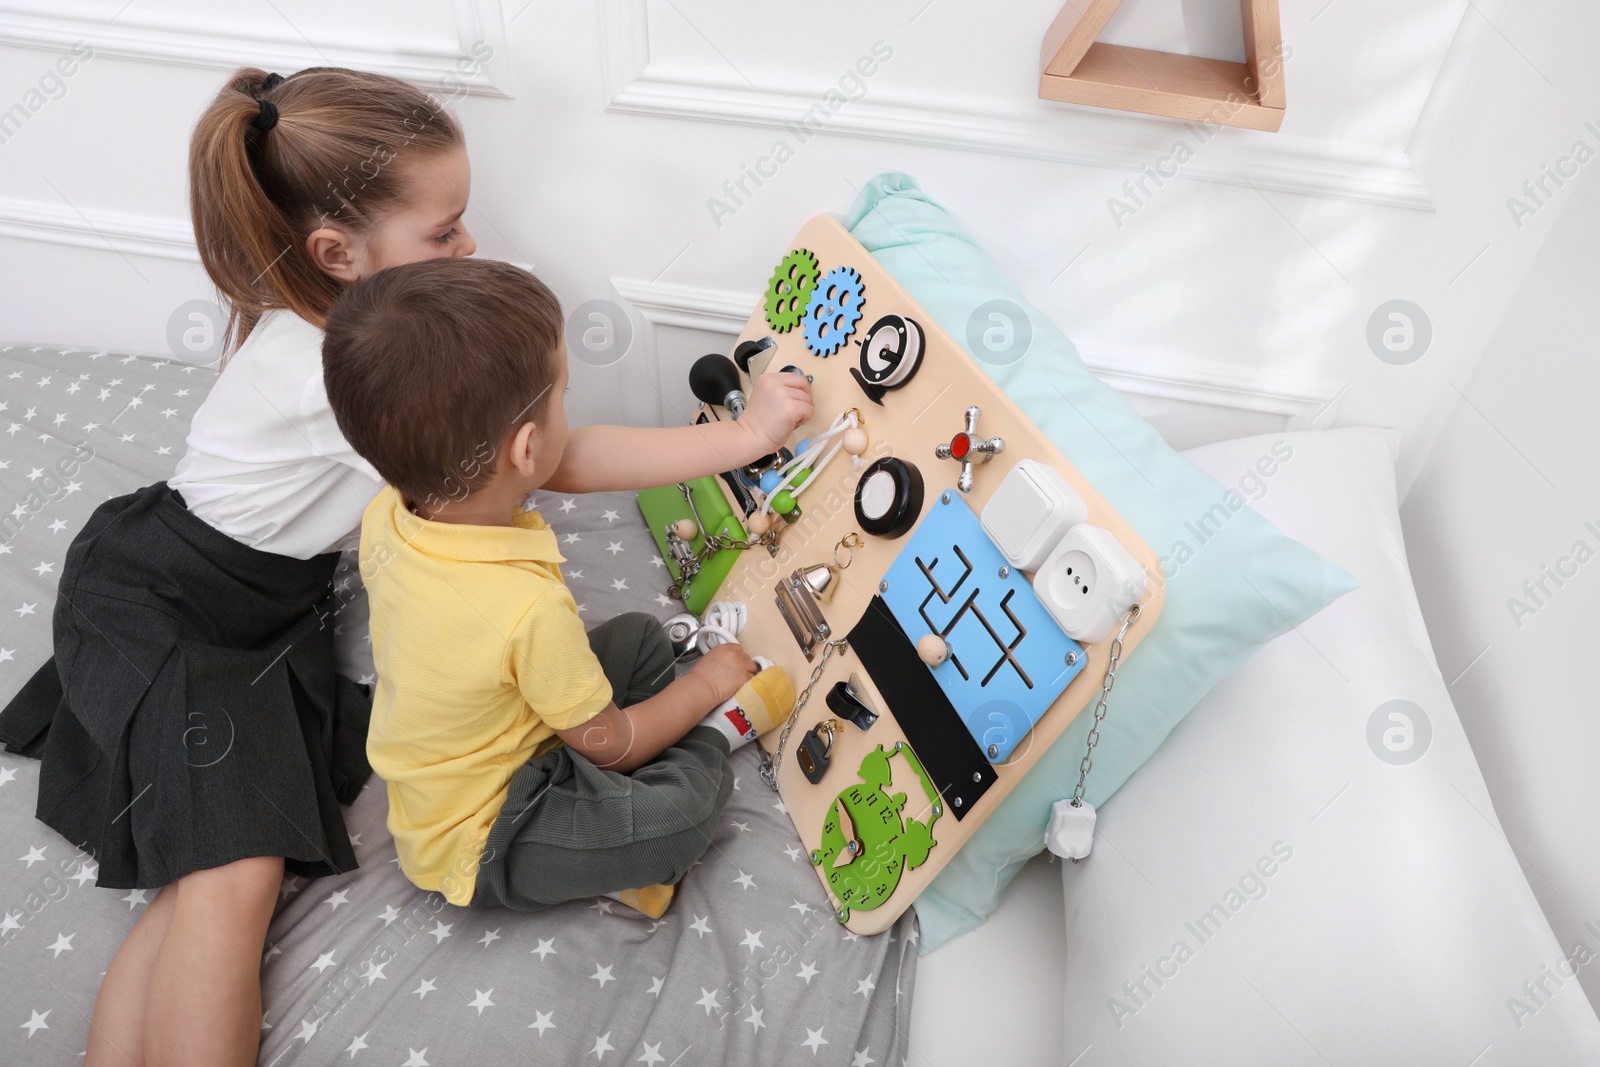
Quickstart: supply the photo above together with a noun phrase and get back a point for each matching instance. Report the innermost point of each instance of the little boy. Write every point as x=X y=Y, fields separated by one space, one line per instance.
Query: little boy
x=528 y=763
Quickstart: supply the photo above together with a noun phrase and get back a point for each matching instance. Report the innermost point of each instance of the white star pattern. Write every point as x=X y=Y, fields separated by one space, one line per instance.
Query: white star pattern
x=357 y=946
x=37 y=1022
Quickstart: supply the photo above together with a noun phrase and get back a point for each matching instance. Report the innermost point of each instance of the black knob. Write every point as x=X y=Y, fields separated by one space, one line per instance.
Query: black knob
x=715 y=380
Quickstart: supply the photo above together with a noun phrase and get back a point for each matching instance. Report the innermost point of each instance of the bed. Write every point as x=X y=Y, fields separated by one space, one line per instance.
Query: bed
x=746 y=966
x=1400 y=930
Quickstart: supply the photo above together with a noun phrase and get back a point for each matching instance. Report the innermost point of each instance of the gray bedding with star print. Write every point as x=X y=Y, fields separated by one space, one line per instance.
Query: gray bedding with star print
x=745 y=967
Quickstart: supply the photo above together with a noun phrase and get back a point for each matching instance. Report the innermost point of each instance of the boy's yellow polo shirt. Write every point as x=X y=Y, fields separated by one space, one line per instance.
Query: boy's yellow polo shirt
x=481 y=656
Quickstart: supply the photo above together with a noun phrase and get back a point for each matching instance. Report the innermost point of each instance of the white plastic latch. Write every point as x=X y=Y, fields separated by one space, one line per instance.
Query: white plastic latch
x=1071 y=831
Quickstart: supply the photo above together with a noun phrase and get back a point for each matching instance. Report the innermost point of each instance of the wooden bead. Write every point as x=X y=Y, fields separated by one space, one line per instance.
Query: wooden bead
x=759 y=523
x=685 y=529
x=855 y=441
x=932 y=649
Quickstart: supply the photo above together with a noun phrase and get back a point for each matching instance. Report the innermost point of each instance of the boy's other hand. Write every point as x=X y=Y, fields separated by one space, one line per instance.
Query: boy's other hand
x=779 y=404
x=725 y=668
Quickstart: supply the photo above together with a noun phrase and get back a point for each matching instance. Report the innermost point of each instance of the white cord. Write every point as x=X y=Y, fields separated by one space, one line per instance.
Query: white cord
x=723 y=621
x=844 y=422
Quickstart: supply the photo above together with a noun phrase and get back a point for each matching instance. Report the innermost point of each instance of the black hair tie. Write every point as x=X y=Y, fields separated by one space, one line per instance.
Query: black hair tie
x=268 y=116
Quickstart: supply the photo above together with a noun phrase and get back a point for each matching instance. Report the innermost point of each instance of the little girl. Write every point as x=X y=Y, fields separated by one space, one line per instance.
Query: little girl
x=193 y=732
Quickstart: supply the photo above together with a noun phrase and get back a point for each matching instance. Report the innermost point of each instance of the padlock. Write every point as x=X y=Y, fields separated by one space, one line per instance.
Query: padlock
x=814 y=753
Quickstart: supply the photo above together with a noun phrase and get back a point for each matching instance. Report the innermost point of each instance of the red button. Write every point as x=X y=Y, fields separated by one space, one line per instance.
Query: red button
x=960 y=445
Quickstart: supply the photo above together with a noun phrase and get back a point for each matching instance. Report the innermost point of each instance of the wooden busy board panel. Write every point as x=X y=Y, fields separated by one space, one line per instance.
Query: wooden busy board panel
x=913 y=419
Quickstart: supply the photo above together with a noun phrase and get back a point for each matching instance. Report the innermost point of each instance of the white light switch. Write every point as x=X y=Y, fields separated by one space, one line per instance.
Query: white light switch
x=1031 y=509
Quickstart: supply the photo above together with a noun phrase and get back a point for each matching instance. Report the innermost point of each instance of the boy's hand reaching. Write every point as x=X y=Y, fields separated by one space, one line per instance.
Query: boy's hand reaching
x=726 y=667
x=779 y=404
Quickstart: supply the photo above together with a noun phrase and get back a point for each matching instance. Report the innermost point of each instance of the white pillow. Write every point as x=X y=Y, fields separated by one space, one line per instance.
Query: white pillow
x=1267 y=889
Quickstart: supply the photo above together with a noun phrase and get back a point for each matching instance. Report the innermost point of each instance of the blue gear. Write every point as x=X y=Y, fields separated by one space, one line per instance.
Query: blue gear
x=833 y=311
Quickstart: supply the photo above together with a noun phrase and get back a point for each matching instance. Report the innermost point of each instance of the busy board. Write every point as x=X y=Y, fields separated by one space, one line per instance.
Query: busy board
x=953 y=581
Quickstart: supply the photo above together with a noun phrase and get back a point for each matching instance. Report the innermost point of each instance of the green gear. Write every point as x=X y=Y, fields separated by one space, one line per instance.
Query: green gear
x=790 y=289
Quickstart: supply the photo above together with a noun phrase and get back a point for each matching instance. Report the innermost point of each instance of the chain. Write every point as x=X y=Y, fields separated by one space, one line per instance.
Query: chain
x=769 y=764
x=1100 y=708
x=715 y=542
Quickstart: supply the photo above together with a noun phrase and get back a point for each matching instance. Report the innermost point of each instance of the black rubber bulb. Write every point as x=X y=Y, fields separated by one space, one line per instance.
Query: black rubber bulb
x=715 y=380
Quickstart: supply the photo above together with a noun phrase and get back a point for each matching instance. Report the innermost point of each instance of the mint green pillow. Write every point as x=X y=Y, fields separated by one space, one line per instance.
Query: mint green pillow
x=1245 y=585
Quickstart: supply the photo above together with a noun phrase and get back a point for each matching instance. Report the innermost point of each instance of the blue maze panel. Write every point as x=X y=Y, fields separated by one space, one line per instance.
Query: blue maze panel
x=1008 y=658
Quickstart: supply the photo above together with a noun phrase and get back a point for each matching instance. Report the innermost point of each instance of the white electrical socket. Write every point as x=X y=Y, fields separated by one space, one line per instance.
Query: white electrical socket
x=1089 y=582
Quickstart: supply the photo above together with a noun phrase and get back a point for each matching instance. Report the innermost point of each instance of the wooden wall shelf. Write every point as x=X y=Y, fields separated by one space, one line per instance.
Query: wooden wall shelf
x=1078 y=69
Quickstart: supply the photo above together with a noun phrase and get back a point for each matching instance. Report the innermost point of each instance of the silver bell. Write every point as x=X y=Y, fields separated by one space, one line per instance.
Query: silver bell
x=822 y=579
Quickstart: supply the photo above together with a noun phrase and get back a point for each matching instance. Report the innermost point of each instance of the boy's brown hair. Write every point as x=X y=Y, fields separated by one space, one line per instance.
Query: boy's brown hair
x=431 y=366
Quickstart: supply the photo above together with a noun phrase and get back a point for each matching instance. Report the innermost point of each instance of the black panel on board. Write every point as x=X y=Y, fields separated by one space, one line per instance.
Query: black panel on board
x=937 y=735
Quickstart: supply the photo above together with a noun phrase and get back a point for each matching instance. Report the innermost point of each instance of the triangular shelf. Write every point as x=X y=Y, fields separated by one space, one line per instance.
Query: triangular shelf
x=1079 y=69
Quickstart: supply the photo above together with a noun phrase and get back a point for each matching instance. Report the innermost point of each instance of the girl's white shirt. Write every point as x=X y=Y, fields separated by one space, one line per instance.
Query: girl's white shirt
x=265 y=461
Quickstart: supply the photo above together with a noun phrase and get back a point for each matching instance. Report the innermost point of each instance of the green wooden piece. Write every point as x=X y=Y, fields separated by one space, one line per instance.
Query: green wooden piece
x=664 y=506
x=883 y=843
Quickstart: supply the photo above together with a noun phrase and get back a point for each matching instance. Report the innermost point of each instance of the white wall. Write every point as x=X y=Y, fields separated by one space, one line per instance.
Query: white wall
x=1510 y=491
x=602 y=130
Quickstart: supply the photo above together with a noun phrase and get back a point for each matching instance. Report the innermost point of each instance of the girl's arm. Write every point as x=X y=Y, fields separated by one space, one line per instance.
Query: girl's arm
x=602 y=457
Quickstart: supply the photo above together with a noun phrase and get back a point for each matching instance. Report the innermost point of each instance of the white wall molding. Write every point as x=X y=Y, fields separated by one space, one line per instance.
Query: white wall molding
x=691 y=307
x=447 y=67
x=104 y=231
x=1308 y=402
x=637 y=85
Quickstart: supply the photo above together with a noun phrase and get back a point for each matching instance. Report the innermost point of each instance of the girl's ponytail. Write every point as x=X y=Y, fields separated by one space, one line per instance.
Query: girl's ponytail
x=273 y=159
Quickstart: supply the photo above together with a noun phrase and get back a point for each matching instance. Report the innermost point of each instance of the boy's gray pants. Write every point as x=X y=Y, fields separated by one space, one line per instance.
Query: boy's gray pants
x=570 y=830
